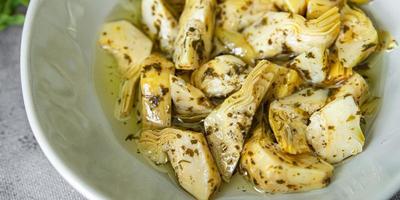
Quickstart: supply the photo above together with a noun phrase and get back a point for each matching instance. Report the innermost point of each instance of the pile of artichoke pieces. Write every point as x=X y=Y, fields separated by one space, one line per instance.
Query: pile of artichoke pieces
x=271 y=82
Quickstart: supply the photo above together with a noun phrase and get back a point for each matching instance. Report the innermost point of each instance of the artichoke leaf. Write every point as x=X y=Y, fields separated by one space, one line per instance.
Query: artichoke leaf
x=126 y=97
x=236 y=44
x=316 y=8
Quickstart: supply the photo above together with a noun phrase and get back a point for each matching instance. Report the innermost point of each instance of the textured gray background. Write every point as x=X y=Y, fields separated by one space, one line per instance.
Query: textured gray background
x=25 y=173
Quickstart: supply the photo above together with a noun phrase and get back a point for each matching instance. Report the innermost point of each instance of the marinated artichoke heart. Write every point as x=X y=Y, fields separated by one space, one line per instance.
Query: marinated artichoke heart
x=358 y=37
x=155 y=88
x=288 y=118
x=227 y=126
x=129 y=47
x=355 y=86
x=127 y=44
x=316 y=8
x=286 y=82
x=280 y=32
x=337 y=73
x=126 y=97
x=334 y=132
x=234 y=15
x=289 y=126
x=221 y=76
x=312 y=64
x=193 y=44
x=272 y=170
x=188 y=100
x=236 y=44
x=189 y=156
x=160 y=24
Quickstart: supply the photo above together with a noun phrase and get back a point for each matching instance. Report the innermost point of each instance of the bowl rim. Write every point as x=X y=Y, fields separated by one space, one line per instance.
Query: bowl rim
x=25 y=54
x=69 y=175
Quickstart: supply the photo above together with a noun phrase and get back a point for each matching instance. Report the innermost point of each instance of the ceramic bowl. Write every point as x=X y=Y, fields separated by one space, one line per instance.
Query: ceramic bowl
x=78 y=137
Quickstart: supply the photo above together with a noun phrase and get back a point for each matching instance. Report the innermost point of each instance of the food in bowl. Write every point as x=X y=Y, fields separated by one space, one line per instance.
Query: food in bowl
x=272 y=89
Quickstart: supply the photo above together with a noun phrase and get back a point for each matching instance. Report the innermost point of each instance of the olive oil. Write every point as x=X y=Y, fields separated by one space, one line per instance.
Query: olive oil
x=107 y=82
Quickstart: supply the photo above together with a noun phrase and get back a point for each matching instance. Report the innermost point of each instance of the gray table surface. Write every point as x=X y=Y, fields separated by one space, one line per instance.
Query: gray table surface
x=25 y=173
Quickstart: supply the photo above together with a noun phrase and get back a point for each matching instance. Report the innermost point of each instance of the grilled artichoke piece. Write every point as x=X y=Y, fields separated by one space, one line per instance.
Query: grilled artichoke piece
x=272 y=170
x=288 y=118
x=227 y=126
x=358 y=37
x=160 y=24
x=355 y=86
x=221 y=76
x=156 y=95
x=312 y=64
x=189 y=156
x=234 y=15
x=188 y=100
x=286 y=82
x=337 y=72
x=193 y=44
x=280 y=32
x=127 y=44
x=316 y=8
x=236 y=44
x=334 y=132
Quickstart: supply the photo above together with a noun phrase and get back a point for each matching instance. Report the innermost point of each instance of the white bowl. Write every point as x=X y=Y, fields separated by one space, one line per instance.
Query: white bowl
x=64 y=110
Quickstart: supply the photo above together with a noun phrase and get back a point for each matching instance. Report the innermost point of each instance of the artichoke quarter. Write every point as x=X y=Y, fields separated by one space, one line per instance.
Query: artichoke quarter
x=334 y=131
x=189 y=156
x=130 y=48
x=156 y=92
x=160 y=24
x=281 y=32
x=272 y=170
x=288 y=118
x=227 y=126
x=358 y=37
x=193 y=44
